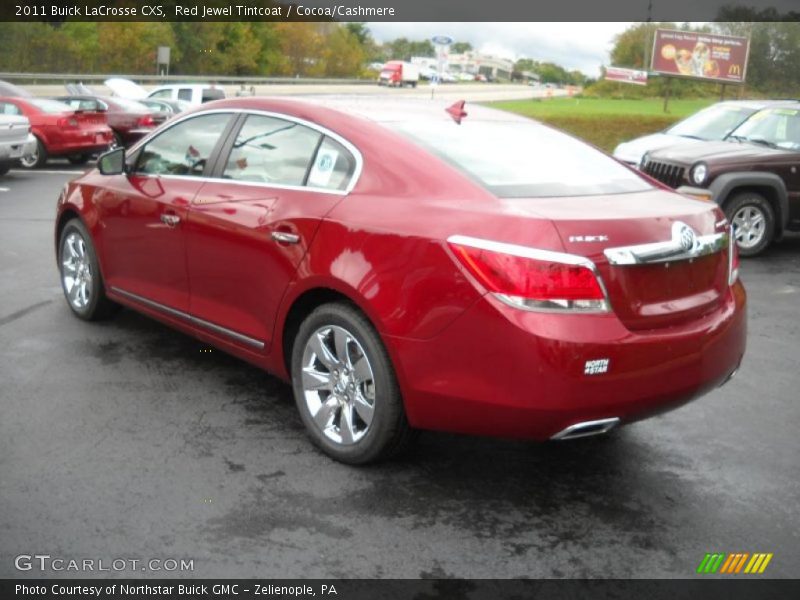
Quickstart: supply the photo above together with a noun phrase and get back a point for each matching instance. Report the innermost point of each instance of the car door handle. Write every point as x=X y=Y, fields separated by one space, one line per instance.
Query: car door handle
x=284 y=237
x=171 y=220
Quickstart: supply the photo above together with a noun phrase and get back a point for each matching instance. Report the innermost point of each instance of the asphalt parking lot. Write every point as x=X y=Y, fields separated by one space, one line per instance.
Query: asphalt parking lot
x=125 y=439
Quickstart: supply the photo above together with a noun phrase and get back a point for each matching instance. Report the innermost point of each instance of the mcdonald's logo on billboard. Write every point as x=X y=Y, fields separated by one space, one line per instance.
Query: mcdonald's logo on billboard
x=735 y=71
x=734 y=564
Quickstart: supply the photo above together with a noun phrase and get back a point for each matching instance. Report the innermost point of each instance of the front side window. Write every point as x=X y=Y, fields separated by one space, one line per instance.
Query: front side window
x=183 y=149
x=272 y=151
x=6 y=108
x=161 y=94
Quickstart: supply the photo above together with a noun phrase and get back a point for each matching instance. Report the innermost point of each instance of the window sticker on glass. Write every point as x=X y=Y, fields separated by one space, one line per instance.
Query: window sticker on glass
x=322 y=170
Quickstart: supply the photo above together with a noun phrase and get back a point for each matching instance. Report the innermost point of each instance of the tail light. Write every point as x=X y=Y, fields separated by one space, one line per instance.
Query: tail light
x=733 y=259
x=145 y=121
x=532 y=279
x=67 y=123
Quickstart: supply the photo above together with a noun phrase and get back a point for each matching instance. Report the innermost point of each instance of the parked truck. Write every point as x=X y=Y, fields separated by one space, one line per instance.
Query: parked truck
x=398 y=73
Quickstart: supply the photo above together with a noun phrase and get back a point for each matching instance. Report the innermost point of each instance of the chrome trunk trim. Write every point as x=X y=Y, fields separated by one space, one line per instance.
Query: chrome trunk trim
x=684 y=245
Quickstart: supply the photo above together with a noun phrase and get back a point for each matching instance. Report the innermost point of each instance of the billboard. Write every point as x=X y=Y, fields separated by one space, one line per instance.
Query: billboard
x=706 y=56
x=626 y=75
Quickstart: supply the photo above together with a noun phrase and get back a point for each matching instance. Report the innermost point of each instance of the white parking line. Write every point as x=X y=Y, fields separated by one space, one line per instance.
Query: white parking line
x=2 y=189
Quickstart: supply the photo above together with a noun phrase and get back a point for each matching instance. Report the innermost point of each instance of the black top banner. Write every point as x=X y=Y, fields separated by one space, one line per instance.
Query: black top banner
x=400 y=10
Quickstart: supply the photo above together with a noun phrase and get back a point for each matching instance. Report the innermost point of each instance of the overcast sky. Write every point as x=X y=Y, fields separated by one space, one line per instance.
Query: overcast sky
x=582 y=46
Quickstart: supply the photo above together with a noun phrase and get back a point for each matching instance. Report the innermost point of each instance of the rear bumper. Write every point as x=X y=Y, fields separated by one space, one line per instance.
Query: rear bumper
x=17 y=150
x=81 y=142
x=505 y=372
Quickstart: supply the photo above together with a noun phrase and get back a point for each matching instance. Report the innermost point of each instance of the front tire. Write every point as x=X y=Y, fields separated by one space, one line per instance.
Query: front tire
x=753 y=222
x=81 y=279
x=345 y=387
x=5 y=167
x=37 y=158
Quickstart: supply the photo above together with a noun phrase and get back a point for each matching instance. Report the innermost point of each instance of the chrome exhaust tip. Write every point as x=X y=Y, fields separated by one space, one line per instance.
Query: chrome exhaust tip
x=586 y=429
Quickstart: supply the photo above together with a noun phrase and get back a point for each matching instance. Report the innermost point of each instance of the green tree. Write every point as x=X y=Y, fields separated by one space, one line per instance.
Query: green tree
x=460 y=47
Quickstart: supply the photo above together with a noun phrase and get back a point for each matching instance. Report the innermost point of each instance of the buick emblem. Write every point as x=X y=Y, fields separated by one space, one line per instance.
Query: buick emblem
x=684 y=235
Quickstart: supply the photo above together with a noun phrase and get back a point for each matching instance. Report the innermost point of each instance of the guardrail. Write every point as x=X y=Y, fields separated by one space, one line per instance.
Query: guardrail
x=35 y=78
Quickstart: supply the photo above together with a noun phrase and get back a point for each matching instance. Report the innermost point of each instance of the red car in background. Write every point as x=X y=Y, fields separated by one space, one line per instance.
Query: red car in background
x=412 y=266
x=59 y=130
x=129 y=119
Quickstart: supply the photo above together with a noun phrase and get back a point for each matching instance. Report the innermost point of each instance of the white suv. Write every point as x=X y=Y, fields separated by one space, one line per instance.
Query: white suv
x=193 y=93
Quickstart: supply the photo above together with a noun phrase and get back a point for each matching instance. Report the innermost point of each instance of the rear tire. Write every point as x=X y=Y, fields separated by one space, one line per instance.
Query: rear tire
x=81 y=279
x=345 y=387
x=4 y=168
x=753 y=222
x=37 y=159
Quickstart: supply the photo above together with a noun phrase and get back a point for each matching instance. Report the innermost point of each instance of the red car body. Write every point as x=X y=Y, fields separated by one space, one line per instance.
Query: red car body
x=396 y=243
x=129 y=120
x=64 y=132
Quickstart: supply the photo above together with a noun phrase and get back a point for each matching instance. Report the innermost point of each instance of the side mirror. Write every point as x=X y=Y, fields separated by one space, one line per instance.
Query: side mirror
x=112 y=162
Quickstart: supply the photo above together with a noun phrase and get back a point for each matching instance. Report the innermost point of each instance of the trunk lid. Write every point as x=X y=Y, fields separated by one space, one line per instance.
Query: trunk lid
x=661 y=291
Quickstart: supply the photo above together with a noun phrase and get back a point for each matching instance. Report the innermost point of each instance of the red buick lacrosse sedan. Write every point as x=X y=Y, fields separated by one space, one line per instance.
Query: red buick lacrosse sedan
x=412 y=266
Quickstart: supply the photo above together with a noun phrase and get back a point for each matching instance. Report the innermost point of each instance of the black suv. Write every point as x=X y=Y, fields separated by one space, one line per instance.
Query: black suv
x=754 y=175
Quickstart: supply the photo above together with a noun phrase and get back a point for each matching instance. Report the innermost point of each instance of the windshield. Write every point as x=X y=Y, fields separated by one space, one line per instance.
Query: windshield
x=712 y=123
x=518 y=158
x=50 y=106
x=775 y=127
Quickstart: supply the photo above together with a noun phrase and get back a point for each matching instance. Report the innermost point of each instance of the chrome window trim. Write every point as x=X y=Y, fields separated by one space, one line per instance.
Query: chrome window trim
x=359 y=159
x=240 y=337
x=667 y=251
x=539 y=254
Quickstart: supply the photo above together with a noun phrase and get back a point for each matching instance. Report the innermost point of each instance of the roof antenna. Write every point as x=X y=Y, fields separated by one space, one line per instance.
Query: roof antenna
x=456 y=111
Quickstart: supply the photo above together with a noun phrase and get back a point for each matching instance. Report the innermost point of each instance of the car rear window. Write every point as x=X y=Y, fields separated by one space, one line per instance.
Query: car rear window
x=130 y=105
x=522 y=158
x=50 y=106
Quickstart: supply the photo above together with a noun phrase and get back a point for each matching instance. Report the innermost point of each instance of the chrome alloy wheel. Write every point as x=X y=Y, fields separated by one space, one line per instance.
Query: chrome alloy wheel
x=30 y=160
x=749 y=226
x=76 y=271
x=338 y=385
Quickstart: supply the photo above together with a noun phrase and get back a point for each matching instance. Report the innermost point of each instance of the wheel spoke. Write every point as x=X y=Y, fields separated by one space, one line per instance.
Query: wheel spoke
x=364 y=409
x=340 y=342
x=362 y=370
x=346 y=429
x=70 y=265
x=320 y=348
x=326 y=413
x=71 y=246
x=84 y=294
x=314 y=380
x=81 y=248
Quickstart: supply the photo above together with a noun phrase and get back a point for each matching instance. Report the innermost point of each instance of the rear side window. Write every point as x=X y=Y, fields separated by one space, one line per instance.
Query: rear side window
x=210 y=94
x=333 y=166
x=185 y=94
x=272 y=151
x=183 y=149
x=522 y=158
